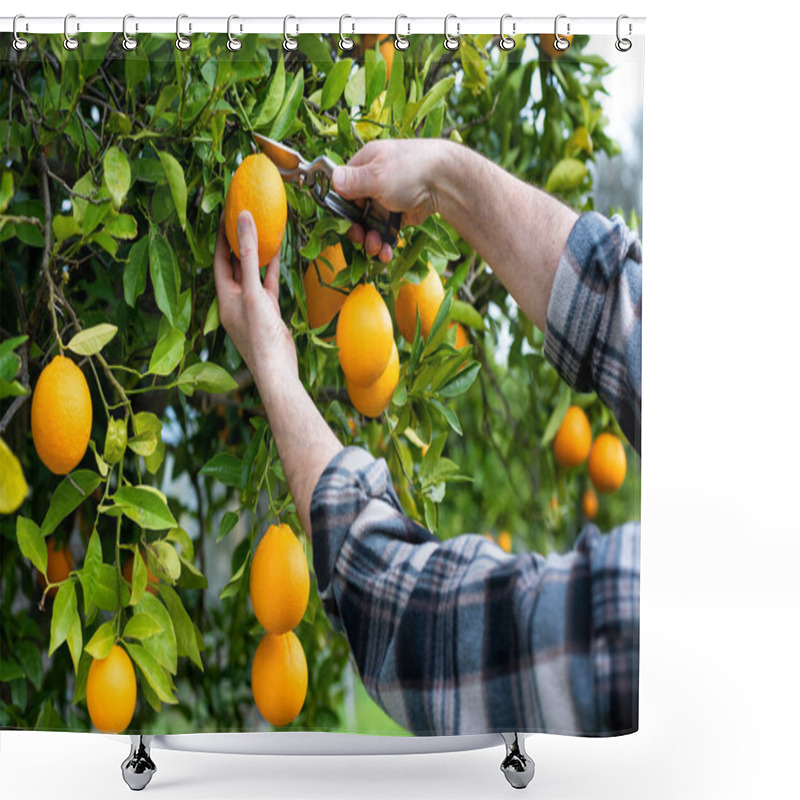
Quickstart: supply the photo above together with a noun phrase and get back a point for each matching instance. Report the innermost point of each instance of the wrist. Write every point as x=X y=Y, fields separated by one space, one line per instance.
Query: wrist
x=447 y=175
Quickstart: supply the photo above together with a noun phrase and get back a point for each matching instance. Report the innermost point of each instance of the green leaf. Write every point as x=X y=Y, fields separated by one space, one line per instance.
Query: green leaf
x=568 y=174
x=177 y=184
x=462 y=381
x=138 y=578
x=232 y=587
x=27 y=652
x=92 y=565
x=184 y=627
x=123 y=226
x=141 y=626
x=134 y=278
x=166 y=559
x=191 y=577
x=212 y=317
x=10 y=671
x=102 y=641
x=65 y=227
x=32 y=543
x=277 y=88
x=168 y=352
x=145 y=506
x=164 y=274
x=227 y=524
x=288 y=113
x=106 y=595
x=65 y=611
x=556 y=418
x=448 y=414
x=435 y=96
x=116 y=174
x=147 y=421
x=374 y=76
x=75 y=641
x=6 y=190
x=467 y=315
x=205 y=377
x=335 y=82
x=151 y=671
x=225 y=468
x=116 y=440
x=92 y=340
x=9 y=360
x=163 y=646
x=69 y=494
x=144 y=444
x=79 y=693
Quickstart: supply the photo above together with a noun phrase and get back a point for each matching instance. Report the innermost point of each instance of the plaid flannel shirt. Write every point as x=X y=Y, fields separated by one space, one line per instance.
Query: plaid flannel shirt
x=459 y=637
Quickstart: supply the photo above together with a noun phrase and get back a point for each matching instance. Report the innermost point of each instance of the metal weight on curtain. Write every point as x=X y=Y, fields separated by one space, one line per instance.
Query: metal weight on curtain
x=451 y=42
x=400 y=42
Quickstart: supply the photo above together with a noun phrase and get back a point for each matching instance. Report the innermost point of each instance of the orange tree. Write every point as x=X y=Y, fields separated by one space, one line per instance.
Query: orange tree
x=112 y=189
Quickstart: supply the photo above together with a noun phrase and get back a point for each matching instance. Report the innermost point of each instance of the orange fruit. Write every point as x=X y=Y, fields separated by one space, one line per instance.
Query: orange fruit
x=368 y=40
x=461 y=335
x=61 y=415
x=323 y=303
x=589 y=504
x=607 y=463
x=279 y=678
x=574 y=438
x=425 y=297
x=387 y=51
x=127 y=573
x=257 y=187
x=504 y=540
x=547 y=48
x=364 y=335
x=59 y=564
x=111 y=691
x=279 y=582
x=372 y=400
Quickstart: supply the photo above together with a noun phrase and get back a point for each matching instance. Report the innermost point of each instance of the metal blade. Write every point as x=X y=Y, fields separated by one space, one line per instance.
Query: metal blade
x=285 y=159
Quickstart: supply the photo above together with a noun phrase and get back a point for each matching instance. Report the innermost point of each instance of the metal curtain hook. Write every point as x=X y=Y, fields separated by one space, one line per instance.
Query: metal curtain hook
x=345 y=42
x=19 y=42
x=400 y=42
x=70 y=42
x=506 y=42
x=560 y=42
x=128 y=42
x=234 y=44
x=181 y=42
x=623 y=45
x=288 y=42
x=450 y=42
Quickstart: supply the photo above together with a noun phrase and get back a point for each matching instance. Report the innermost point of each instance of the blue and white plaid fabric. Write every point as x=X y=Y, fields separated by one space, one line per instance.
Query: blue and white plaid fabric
x=458 y=637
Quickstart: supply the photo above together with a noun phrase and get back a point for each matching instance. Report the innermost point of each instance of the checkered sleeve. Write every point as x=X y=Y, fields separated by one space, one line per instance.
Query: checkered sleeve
x=594 y=318
x=459 y=637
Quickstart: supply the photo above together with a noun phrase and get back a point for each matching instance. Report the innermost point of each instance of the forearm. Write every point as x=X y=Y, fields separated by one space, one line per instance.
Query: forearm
x=519 y=230
x=305 y=443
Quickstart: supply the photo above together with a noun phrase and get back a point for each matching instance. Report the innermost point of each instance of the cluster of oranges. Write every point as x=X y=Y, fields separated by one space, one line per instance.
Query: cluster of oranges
x=279 y=587
x=607 y=463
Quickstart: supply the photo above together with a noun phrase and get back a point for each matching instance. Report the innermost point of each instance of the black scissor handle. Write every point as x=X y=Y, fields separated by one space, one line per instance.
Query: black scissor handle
x=387 y=228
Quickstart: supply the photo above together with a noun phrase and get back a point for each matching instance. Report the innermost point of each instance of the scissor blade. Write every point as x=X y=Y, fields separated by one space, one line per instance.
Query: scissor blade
x=284 y=158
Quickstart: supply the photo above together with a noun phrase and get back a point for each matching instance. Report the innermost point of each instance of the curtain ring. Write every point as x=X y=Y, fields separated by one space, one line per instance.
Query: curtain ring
x=560 y=43
x=19 y=43
x=451 y=42
x=70 y=42
x=623 y=45
x=234 y=44
x=288 y=42
x=181 y=42
x=128 y=42
x=345 y=42
x=506 y=42
x=400 y=42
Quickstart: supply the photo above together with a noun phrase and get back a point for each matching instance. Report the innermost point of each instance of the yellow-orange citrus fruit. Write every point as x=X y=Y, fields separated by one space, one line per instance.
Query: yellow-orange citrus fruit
x=504 y=540
x=574 y=438
x=127 y=573
x=59 y=564
x=257 y=187
x=111 y=691
x=61 y=415
x=547 y=47
x=368 y=40
x=607 y=463
x=589 y=504
x=425 y=297
x=461 y=335
x=323 y=303
x=372 y=400
x=279 y=678
x=387 y=51
x=364 y=335
x=279 y=581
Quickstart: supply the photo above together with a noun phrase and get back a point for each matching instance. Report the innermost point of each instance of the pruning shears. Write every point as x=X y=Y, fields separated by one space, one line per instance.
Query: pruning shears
x=317 y=176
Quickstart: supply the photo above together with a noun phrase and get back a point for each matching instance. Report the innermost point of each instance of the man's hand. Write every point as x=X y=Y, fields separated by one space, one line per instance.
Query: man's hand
x=398 y=175
x=249 y=310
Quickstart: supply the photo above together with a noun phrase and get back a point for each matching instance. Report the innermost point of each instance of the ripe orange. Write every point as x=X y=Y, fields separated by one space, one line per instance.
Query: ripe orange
x=589 y=504
x=323 y=303
x=279 y=581
x=257 y=187
x=547 y=48
x=574 y=438
x=364 y=335
x=59 y=564
x=374 y=399
x=61 y=415
x=425 y=297
x=461 y=335
x=387 y=51
x=279 y=678
x=607 y=463
x=504 y=540
x=127 y=573
x=111 y=691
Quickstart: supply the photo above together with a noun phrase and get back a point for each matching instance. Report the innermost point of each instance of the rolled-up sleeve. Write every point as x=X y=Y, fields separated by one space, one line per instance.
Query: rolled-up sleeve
x=594 y=317
x=459 y=637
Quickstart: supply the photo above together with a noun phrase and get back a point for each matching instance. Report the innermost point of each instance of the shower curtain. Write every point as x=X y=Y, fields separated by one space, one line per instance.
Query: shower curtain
x=472 y=559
